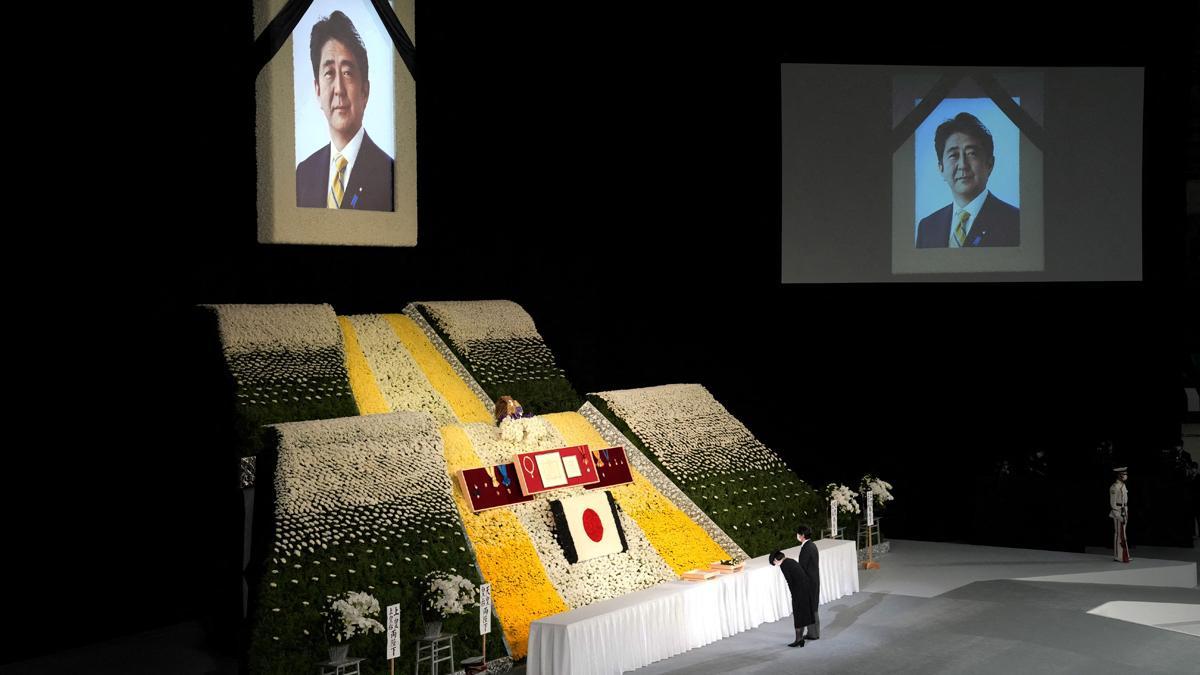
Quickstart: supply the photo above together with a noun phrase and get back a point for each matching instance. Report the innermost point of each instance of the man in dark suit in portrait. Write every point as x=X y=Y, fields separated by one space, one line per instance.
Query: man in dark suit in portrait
x=351 y=172
x=803 y=578
x=976 y=217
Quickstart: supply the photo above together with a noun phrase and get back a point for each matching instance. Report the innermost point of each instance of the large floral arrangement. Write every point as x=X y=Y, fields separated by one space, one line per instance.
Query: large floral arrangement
x=881 y=490
x=446 y=594
x=349 y=614
x=498 y=344
x=655 y=479
x=287 y=363
x=743 y=486
x=843 y=496
x=360 y=504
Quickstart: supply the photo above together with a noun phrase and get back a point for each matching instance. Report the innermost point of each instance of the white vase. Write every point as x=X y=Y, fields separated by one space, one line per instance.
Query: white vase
x=433 y=628
x=338 y=653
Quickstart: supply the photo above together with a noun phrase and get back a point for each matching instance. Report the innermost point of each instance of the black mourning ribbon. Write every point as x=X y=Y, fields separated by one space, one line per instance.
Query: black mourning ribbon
x=1025 y=123
x=268 y=44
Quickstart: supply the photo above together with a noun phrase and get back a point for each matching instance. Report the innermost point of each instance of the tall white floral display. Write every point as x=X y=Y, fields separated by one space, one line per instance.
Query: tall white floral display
x=841 y=499
x=875 y=492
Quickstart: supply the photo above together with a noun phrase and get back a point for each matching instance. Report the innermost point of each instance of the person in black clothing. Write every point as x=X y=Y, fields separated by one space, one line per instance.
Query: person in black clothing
x=803 y=578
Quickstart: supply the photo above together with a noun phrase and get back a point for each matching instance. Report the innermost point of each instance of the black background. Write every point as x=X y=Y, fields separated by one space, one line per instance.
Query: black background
x=613 y=169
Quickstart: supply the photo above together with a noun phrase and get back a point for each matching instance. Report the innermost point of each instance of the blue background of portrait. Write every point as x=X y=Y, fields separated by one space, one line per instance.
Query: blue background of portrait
x=932 y=192
x=312 y=129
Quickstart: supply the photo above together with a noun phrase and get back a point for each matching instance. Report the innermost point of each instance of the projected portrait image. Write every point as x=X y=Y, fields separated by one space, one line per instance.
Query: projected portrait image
x=967 y=177
x=341 y=91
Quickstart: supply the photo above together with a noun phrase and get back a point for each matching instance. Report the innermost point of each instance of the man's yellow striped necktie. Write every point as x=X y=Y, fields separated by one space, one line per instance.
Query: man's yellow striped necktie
x=337 y=190
x=960 y=232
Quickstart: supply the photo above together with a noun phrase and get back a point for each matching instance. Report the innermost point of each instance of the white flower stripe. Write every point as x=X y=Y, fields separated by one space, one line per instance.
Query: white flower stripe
x=660 y=481
x=413 y=313
x=401 y=381
x=585 y=582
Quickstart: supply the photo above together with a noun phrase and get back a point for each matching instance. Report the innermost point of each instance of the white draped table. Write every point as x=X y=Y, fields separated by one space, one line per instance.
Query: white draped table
x=621 y=634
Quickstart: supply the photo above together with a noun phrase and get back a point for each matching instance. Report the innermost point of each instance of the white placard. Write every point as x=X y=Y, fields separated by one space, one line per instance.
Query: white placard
x=571 y=464
x=870 y=508
x=550 y=466
x=832 y=519
x=485 y=609
x=393 y=631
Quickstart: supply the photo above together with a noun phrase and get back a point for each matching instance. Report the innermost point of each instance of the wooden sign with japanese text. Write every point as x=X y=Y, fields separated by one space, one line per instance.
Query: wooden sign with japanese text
x=393 y=631
x=485 y=609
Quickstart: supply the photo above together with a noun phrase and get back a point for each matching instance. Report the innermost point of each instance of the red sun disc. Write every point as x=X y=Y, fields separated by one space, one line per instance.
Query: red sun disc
x=592 y=525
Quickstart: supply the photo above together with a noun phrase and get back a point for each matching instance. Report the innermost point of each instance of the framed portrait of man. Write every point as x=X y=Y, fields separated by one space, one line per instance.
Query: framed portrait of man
x=336 y=123
x=967 y=184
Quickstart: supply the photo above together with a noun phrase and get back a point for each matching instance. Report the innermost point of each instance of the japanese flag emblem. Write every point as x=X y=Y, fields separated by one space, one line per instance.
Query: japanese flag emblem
x=588 y=526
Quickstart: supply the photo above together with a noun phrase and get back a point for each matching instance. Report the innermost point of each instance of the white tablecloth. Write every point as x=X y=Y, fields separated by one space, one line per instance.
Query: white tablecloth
x=613 y=636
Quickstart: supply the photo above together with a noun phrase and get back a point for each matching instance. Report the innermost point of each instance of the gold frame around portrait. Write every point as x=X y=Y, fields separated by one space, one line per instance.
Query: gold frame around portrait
x=280 y=221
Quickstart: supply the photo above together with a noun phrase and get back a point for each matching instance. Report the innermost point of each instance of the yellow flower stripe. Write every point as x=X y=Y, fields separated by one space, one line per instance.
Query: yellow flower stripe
x=682 y=543
x=466 y=406
x=507 y=559
x=366 y=391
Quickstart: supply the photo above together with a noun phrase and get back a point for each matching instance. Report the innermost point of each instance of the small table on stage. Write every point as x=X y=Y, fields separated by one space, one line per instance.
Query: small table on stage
x=347 y=667
x=435 y=650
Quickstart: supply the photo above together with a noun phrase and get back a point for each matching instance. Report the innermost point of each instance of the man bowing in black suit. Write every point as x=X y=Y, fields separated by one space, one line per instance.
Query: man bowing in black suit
x=803 y=578
x=976 y=217
x=351 y=172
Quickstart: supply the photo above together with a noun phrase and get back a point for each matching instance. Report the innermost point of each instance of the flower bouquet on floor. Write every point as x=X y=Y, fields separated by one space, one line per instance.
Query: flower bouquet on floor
x=348 y=615
x=444 y=595
x=728 y=566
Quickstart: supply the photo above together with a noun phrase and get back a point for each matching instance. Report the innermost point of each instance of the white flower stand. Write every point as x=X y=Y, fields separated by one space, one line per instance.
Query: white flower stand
x=346 y=667
x=435 y=650
x=840 y=534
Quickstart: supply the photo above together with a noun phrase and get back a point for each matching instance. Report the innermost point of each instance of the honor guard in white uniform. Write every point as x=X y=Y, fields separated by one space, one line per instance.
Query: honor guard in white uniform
x=1118 y=504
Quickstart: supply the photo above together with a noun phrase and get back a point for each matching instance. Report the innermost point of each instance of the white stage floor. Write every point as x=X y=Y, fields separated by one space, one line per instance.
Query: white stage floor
x=952 y=608
x=926 y=569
